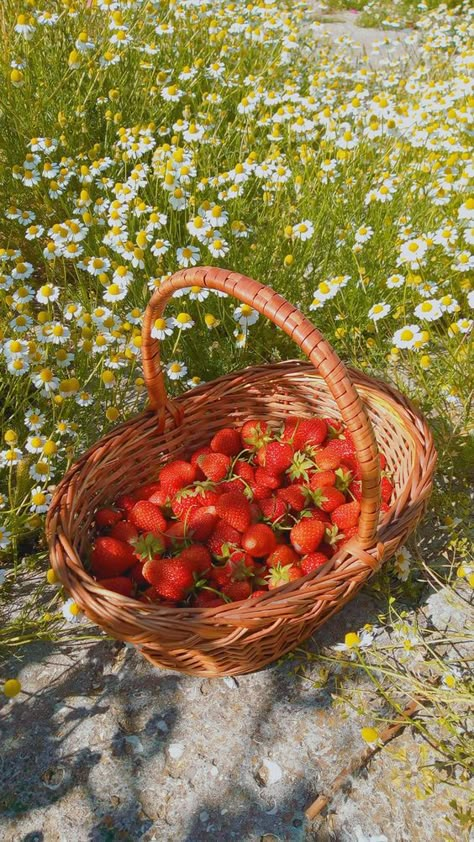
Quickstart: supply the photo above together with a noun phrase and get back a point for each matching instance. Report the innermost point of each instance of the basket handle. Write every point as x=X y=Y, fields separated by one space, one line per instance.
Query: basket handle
x=269 y=303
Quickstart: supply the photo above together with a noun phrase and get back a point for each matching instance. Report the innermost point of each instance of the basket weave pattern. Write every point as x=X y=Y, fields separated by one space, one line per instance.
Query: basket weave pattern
x=243 y=636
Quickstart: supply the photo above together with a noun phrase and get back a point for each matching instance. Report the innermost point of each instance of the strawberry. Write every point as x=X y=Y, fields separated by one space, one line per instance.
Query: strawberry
x=244 y=470
x=328 y=498
x=228 y=485
x=351 y=463
x=144 y=492
x=322 y=478
x=283 y=555
x=310 y=432
x=227 y=441
x=386 y=488
x=351 y=532
x=208 y=599
x=332 y=540
x=106 y=518
x=295 y=496
x=346 y=515
x=175 y=533
x=282 y=575
x=172 y=578
x=355 y=488
x=289 y=428
x=264 y=477
x=301 y=468
x=201 y=451
x=159 y=498
x=136 y=574
x=259 y=540
x=197 y=556
x=276 y=456
x=220 y=574
x=223 y=539
x=147 y=517
x=124 y=531
x=176 y=475
x=237 y=590
x=341 y=447
x=126 y=503
x=306 y=535
x=234 y=508
x=256 y=594
x=335 y=427
x=273 y=508
x=194 y=496
x=318 y=514
x=111 y=557
x=259 y=492
x=214 y=466
x=254 y=434
x=312 y=561
x=383 y=461
x=118 y=584
x=240 y=566
x=201 y=522
x=326 y=459
x=150 y=595
x=149 y=546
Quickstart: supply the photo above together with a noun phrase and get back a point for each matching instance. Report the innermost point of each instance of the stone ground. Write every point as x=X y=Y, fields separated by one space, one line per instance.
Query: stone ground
x=104 y=747
x=379 y=45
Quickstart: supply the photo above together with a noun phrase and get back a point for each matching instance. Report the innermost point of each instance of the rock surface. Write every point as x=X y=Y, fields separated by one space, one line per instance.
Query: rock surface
x=105 y=748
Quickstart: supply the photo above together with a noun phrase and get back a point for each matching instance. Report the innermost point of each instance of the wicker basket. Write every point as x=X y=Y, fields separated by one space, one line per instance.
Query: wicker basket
x=241 y=637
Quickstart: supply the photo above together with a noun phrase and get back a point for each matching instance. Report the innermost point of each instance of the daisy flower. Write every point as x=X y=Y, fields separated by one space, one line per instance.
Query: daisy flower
x=379 y=311
x=162 y=328
x=245 y=315
x=34 y=420
x=303 y=230
x=40 y=500
x=413 y=251
x=71 y=612
x=407 y=336
x=5 y=539
x=401 y=563
x=176 y=370
x=218 y=247
x=429 y=310
x=395 y=281
x=183 y=321
x=188 y=256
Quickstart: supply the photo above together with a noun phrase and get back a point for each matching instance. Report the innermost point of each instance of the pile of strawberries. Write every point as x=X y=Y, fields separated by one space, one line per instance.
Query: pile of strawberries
x=253 y=510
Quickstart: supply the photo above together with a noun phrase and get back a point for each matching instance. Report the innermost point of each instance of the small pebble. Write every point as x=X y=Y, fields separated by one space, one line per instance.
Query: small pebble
x=176 y=750
x=203 y=817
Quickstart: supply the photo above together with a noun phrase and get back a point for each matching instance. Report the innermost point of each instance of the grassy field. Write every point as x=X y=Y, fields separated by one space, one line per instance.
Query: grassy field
x=137 y=138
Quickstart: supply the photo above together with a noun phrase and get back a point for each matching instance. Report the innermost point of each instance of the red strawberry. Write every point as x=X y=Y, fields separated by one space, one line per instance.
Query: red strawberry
x=383 y=461
x=220 y=574
x=208 y=599
x=244 y=470
x=326 y=459
x=322 y=478
x=144 y=492
x=214 y=466
x=201 y=451
x=346 y=515
x=171 y=577
x=283 y=555
x=175 y=533
x=126 y=502
x=234 y=508
x=318 y=514
x=259 y=492
x=282 y=575
x=176 y=475
x=136 y=574
x=355 y=489
x=236 y=485
x=264 y=477
x=237 y=590
x=276 y=456
x=312 y=561
x=201 y=522
x=105 y=518
x=351 y=532
x=124 y=531
x=150 y=595
x=273 y=508
x=183 y=503
x=147 y=517
x=386 y=489
x=256 y=594
x=259 y=540
x=295 y=496
x=328 y=498
x=197 y=556
x=223 y=539
x=335 y=427
x=254 y=433
x=159 y=498
x=341 y=447
x=227 y=441
x=351 y=463
x=118 y=584
x=289 y=428
x=240 y=566
x=310 y=432
x=306 y=535
x=149 y=546
x=111 y=557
